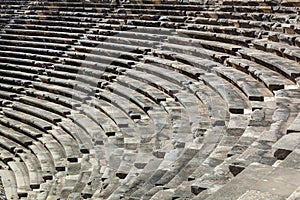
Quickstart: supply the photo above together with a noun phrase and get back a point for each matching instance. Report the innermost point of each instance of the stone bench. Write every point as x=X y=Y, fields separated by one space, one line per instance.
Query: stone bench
x=144 y=175
x=47 y=52
x=40 y=113
x=22 y=178
x=115 y=113
x=211 y=45
x=84 y=84
x=63 y=29
x=126 y=165
x=29 y=119
x=262 y=177
x=287 y=68
x=56 y=98
x=22 y=68
x=9 y=183
x=137 y=33
x=106 y=123
x=149 y=183
x=33 y=168
x=53 y=16
x=96 y=59
x=245 y=28
x=249 y=3
x=282 y=50
x=14 y=87
x=238 y=8
x=90 y=127
x=63 y=91
x=289 y=39
x=45 y=159
x=108 y=52
x=252 y=128
x=24 y=62
x=56 y=150
x=30 y=56
x=272 y=79
x=69 y=21
x=14 y=81
x=254 y=90
x=198 y=116
x=166 y=6
x=235 y=100
x=82 y=138
x=8 y=95
x=291 y=160
x=223 y=27
x=71 y=148
x=161 y=72
x=5 y=157
x=213 y=102
x=290 y=3
x=179 y=166
x=123 y=41
x=258 y=151
x=34 y=44
x=109 y=44
x=150 y=91
x=192 y=55
x=16 y=136
x=231 y=39
x=46 y=105
x=294 y=126
x=175 y=66
x=22 y=127
x=161 y=32
x=164 y=85
x=72 y=4
x=117 y=99
x=151 y=11
x=133 y=96
x=37 y=38
x=285 y=145
x=162 y=128
x=184 y=125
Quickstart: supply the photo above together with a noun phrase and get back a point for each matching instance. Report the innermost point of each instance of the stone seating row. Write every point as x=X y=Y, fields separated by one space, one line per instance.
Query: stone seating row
x=284 y=18
x=164 y=89
x=249 y=30
x=265 y=9
x=289 y=70
x=33 y=44
x=249 y=3
x=38 y=38
x=273 y=80
x=278 y=48
x=263 y=143
x=69 y=158
x=273 y=47
x=253 y=90
x=44 y=33
x=259 y=173
x=38 y=143
x=27 y=170
x=29 y=50
x=228 y=69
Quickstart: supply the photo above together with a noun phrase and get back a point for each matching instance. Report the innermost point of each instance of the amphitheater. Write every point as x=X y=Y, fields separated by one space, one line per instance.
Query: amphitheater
x=150 y=99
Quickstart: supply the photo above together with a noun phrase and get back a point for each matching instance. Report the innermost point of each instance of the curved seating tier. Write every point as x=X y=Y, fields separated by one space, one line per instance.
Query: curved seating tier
x=149 y=99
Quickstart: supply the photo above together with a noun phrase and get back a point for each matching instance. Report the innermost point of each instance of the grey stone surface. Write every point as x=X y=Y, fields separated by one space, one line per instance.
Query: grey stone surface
x=150 y=100
x=286 y=145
